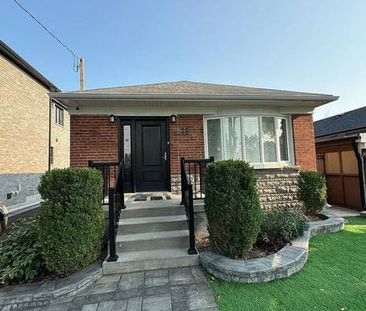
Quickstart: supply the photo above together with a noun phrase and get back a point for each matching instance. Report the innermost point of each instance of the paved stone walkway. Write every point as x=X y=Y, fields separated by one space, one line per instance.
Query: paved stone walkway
x=178 y=289
x=338 y=211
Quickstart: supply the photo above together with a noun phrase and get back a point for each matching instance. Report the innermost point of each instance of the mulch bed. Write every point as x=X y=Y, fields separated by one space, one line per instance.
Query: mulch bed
x=257 y=251
x=317 y=217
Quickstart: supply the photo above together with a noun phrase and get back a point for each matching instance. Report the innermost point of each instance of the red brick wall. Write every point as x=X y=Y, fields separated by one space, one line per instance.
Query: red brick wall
x=304 y=142
x=186 y=140
x=92 y=138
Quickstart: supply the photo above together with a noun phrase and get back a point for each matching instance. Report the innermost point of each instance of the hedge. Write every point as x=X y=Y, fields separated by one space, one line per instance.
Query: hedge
x=281 y=225
x=312 y=191
x=71 y=218
x=232 y=207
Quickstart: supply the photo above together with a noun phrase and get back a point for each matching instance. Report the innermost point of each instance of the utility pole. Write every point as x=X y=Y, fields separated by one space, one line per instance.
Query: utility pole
x=81 y=69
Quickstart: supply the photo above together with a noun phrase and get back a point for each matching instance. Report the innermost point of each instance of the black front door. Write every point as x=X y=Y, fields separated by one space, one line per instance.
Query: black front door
x=151 y=155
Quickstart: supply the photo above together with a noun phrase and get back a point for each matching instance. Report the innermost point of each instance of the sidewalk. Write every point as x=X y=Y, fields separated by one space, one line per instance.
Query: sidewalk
x=179 y=289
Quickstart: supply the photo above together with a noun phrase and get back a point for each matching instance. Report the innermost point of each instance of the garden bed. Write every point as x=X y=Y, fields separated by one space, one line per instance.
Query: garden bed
x=25 y=296
x=330 y=280
x=283 y=263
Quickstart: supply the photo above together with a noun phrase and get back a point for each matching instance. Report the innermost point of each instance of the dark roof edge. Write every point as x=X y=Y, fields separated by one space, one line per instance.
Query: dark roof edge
x=21 y=63
x=325 y=139
x=352 y=131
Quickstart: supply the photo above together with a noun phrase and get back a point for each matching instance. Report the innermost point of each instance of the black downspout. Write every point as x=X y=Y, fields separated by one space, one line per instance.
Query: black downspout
x=49 y=133
x=360 y=174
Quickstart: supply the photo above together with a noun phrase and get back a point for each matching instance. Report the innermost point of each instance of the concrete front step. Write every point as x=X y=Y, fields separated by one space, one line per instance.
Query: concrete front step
x=150 y=260
x=152 y=240
x=152 y=224
x=151 y=211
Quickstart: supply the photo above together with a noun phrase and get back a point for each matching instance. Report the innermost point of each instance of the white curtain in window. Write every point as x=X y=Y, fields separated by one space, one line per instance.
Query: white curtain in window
x=232 y=138
x=269 y=139
x=282 y=137
x=251 y=138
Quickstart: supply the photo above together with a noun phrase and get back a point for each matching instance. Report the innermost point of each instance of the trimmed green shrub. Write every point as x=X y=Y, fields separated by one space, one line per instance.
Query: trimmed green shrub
x=71 y=218
x=312 y=191
x=232 y=207
x=281 y=225
x=21 y=252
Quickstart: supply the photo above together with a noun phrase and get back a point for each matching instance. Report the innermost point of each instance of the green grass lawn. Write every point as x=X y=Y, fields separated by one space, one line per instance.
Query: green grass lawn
x=334 y=278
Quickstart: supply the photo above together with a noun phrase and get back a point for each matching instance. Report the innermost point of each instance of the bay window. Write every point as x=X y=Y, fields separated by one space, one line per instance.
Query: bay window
x=259 y=140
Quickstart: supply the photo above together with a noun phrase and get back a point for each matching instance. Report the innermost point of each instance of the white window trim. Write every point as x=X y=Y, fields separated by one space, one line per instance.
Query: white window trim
x=57 y=107
x=261 y=165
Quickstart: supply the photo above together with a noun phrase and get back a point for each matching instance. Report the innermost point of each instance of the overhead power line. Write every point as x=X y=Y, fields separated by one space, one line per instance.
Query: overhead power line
x=76 y=57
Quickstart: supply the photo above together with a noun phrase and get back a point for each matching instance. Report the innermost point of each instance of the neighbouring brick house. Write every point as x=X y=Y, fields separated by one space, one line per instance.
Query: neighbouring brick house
x=35 y=134
x=152 y=126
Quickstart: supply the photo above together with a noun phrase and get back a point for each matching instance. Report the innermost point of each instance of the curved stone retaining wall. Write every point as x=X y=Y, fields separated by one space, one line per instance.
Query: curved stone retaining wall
x=284 y=263
x=23 y=297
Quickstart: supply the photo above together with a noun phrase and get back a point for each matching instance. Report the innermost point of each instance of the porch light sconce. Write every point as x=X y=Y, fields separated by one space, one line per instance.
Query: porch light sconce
x=173 y=118
x=112 y=118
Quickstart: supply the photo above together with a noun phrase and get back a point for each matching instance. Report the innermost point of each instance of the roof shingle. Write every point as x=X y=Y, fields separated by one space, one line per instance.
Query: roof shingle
x=351 y=120
x=194 y=88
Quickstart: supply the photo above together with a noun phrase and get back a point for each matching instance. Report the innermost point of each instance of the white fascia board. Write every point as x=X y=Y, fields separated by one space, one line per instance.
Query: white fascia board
x=167 y=110
x=190 y=97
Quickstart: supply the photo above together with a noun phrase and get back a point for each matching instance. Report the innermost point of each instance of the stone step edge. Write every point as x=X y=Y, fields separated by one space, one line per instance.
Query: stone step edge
x=151 y=236
x=152 y=254
x=152 y=207
x=151 y=220
x=146 y=264
x=282 y=264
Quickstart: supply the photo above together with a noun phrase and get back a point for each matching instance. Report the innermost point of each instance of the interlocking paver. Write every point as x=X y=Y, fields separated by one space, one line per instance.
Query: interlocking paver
x=156 y=290
x=106 y=306
x=177 y=293
x=157 y=303
x=102 y=288
x=90 y=307
x=131 y=280
x=120 y=305
x=134 y=304
x=178 y=289
x=180 y=276
x=130 y=293
x=109 y=279
x=156 y=281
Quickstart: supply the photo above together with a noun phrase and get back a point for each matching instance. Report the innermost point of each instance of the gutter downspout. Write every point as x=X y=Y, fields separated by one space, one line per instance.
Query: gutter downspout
x=49 y=133
x=360 y=173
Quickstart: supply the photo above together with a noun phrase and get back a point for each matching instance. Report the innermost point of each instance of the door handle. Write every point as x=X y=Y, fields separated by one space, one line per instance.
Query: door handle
x=165 y=157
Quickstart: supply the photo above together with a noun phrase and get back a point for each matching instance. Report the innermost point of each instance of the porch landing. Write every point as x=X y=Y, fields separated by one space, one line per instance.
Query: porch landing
x=152 y=234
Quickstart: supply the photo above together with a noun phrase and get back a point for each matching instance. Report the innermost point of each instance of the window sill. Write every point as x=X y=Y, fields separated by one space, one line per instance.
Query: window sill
x=259 y=166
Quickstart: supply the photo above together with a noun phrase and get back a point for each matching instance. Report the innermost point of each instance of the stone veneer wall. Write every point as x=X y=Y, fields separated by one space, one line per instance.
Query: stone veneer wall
x=278 y=188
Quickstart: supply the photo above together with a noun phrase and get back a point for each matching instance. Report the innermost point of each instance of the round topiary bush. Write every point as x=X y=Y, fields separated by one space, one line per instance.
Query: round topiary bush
x=232 y=207
x=312 y=191
x=71 y=218
x=280 y=225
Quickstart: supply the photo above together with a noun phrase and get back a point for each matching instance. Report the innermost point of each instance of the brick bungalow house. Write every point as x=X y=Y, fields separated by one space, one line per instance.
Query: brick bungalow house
x=34 y=130
x=152 y=126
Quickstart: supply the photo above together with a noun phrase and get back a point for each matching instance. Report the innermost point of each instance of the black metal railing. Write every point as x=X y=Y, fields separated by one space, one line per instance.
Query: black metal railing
x=189 y=192
x=115 y=204
x=194 y=170
x=109 y=173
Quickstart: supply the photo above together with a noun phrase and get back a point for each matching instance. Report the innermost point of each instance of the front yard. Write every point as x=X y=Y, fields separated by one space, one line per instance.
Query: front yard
x=334 y=278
